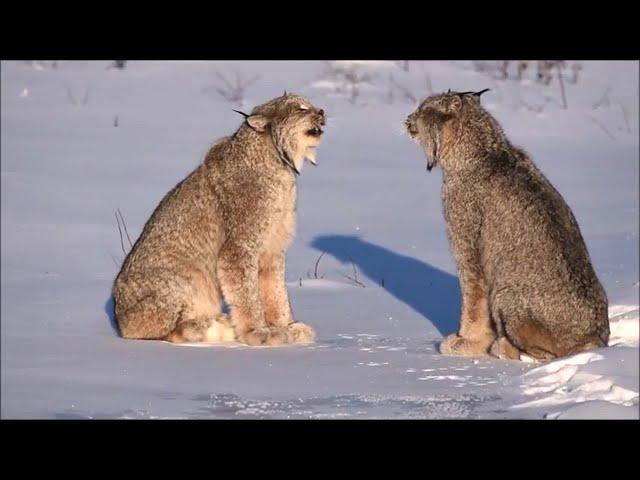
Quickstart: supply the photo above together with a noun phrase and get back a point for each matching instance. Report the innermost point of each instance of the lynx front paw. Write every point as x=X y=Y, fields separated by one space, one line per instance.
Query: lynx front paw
x=266 y=336
x=301 y=333
x=454 y=344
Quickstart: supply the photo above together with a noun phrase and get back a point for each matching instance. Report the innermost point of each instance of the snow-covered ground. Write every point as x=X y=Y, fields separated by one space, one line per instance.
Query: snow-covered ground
x=82 y=140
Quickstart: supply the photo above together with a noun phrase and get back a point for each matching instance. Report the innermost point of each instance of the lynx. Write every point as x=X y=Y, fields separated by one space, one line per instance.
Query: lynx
x=526 y=278
x=222 y=234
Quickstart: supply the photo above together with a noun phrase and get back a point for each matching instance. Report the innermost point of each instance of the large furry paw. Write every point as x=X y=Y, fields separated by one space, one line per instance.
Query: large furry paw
x=266 y=336
x=301 y=332
x=503 y=349
x=220 y=330
x=454 y=344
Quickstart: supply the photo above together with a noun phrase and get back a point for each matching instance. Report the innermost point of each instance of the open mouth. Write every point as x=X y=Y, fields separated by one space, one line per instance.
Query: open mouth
x=314 y=132
x=310 y=156
x=411 y=129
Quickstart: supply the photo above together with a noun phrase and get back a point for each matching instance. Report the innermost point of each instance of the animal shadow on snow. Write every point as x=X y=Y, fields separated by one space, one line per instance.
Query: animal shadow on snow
x=109 y=308
x=433 y=293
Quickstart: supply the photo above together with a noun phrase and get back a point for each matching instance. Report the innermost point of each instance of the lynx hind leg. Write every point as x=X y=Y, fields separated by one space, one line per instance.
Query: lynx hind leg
x=502 y=348
x=189 y=331
x=454 y=344
x=216 y=330
x=146 y=319
x=201 y=319
x=537 y=341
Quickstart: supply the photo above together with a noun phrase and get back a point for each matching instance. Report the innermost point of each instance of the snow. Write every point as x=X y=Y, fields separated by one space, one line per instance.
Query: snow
x=592 y=378
x=386 y=289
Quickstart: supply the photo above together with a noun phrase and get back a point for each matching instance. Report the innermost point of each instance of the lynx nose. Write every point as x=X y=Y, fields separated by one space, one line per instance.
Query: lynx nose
x=411 y=128
x=322 y=118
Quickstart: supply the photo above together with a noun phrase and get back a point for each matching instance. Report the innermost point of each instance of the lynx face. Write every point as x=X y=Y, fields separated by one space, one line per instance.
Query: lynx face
x=295 y=126
x=425 y=124
x=438 y=113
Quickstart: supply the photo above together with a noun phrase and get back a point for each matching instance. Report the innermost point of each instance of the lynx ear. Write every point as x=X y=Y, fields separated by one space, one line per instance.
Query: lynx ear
x=258 y=122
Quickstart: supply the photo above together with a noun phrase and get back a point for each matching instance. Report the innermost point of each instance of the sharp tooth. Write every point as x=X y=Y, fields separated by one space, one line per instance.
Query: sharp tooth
x=311 y=156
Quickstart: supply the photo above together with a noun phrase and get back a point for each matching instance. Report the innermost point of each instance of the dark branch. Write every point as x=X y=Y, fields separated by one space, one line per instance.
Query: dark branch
x=125 y=229
x=317 y=262
x=120 y=230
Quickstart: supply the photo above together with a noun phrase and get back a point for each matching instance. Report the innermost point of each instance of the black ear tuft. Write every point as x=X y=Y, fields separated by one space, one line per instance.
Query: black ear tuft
x=477 y=94
x=241 y=113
